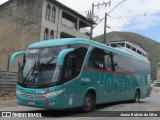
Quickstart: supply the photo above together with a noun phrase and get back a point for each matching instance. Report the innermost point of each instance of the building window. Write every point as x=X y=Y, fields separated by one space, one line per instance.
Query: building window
x=52 y=34
x=139 y=52
x=53 y=15
x=134 y=49
x=128 y=46
x=46 y=34
x=48 y=9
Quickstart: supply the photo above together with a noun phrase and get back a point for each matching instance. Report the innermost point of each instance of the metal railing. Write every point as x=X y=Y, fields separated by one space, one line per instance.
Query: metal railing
x=8 y=81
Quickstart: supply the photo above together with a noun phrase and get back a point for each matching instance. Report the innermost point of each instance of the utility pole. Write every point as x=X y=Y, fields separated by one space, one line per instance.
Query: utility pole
x=92 y=22
x=90 y=16
x=105 y=23
x=105 y=27
x=8 y=63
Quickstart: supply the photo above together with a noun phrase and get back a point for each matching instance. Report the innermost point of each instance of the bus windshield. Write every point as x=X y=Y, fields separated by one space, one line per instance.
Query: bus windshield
x=40 y=66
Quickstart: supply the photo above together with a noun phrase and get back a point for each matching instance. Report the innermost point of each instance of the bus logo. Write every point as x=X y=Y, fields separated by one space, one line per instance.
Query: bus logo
x=6 y=114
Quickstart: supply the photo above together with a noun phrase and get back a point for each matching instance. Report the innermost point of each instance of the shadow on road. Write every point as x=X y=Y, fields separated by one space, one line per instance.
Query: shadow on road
x=77 y=113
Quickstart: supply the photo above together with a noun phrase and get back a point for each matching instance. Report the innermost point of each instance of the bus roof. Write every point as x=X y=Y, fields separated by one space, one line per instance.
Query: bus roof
x=67 y=41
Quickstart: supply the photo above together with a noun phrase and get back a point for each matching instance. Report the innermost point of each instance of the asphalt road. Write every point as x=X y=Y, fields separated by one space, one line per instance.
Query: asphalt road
x=148 y=104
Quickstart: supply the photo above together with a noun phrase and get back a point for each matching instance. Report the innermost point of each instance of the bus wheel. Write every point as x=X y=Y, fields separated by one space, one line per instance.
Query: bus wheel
x=137 y=96
x=89 y=102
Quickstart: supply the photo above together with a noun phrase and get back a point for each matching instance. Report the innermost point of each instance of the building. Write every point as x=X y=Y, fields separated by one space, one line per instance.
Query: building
x=129 y=47
x=23 y=22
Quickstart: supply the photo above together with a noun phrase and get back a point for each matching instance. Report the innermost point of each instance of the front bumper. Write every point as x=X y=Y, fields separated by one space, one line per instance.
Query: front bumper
x=40 y=98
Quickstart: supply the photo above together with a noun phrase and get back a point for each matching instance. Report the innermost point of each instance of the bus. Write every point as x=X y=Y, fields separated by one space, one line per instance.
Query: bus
x=79 y=73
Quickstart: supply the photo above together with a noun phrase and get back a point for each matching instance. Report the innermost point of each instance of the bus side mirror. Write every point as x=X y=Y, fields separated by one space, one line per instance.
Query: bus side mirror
x=13 y=57
x=62 y=55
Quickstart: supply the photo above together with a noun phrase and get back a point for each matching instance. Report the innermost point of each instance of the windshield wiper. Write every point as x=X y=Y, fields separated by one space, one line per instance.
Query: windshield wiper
x=35 y=67
x=46 y=64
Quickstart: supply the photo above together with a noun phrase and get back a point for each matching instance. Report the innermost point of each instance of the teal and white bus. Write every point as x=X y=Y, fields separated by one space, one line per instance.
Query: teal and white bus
x=75 y=72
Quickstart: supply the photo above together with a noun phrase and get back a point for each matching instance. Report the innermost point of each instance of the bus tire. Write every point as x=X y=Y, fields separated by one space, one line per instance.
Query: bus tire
x=137 y=96
x=89 y=102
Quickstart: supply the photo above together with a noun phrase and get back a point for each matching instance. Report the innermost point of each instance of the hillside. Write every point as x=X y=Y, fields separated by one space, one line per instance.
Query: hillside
x=151 y=46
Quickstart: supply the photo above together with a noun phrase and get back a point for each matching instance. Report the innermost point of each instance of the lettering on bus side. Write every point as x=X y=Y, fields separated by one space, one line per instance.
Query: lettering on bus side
x=115 y=81
x=85 y=79
x=40 y=91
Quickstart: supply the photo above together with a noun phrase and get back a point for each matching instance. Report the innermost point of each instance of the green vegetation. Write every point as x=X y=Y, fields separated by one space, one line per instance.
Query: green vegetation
x=151 y=47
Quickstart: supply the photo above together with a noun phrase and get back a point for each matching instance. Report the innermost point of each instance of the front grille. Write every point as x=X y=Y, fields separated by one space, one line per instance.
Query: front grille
x=39 y=96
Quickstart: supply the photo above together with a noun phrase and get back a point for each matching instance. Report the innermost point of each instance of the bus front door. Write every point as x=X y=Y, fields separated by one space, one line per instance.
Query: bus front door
x=69 y=74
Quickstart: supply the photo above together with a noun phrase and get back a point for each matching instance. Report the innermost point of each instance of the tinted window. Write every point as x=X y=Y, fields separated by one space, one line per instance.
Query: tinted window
x=117 y=44
x=128 y=46
x=109 y=62
x=96 y=59
x=127 y=64
x=134 y=49
x=113 y=45
x=124 y=64
x=73 y=63
x=121 y=44
x=139 y=52
x=101 y=59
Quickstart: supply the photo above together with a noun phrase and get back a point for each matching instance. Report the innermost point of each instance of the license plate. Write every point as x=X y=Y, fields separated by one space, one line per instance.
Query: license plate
x=32 y=103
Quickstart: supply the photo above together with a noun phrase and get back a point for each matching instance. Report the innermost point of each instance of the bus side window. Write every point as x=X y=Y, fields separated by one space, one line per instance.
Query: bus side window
x=96 y=59
x=73 y=63
x=123 y=63
x=109 y=61
x=69 y=66
x=112 y=62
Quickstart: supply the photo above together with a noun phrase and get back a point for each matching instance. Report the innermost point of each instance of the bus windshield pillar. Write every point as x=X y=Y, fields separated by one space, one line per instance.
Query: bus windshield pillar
x=62 y=55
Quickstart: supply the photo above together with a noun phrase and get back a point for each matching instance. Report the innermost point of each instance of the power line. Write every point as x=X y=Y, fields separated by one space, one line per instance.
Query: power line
x=134 y=29
x=139 y=15
x=99 y=10
x=130 y=24
x=155 y=26
x=126 y=21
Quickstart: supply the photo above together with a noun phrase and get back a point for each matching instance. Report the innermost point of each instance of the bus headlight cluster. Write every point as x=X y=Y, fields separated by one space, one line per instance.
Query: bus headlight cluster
x=52 y=94
x=40 y=96
x=18 y=92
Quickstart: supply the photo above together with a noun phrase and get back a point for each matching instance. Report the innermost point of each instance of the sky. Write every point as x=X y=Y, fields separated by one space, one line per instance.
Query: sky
x=138 y=16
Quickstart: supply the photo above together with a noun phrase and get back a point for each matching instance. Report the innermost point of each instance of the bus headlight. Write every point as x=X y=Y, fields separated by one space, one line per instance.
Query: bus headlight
x=39 y=96
x=18 y=92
